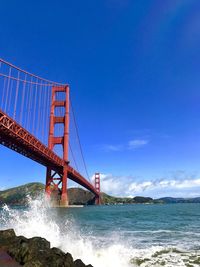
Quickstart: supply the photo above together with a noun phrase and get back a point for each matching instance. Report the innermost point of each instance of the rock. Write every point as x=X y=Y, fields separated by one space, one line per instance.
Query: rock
x=7 y=239
x=17 y=248
x=35 y=263
x=27 y=250
x=6 y=260
x=39 y=243
x=57 y=258
x=58 y=252
x=35 y=252
x=9 y=233
x=79 y=263
x=6 y=236
x=69 y=260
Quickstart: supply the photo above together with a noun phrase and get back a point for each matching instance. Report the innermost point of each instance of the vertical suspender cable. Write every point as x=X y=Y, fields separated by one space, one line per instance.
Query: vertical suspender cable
x=16 y=95
x=28 y=96
x=7 y=90
x=75 y=163
x=39 y=112
x=22 y=101
x=43 y=102
x=4 y=92
x=30 y=103
x=34 y=107
x=10 y=97
x=76 y=127
x=48 y=113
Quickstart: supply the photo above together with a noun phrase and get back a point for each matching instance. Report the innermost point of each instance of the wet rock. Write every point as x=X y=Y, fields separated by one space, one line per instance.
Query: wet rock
x=79 y=263
x=7 y=238
x=69 y=260
x=6 y=260
x=33 y=263
x=34 y=249
x=18 y=248
x=9 y=233
x=38 y=243
x=35 y=252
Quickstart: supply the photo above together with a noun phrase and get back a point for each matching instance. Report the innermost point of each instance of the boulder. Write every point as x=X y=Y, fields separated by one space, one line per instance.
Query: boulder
x=9 y=233
x=35 y=252
x=6 y=260
x=79 y=263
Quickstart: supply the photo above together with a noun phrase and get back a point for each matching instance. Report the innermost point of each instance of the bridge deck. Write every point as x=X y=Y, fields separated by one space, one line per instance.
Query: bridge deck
x=15 y=137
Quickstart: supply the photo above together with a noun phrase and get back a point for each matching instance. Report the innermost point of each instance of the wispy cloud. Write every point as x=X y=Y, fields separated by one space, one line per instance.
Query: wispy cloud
x=137 y=143
x=112 y=147
x=176 y=184
x=131 y=145
x=131 y=186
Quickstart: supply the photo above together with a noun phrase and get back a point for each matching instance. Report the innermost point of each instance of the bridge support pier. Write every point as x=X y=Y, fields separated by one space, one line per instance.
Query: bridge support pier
x=56 y=181
x=97 y=201
x=54 y=193
x=64 y=197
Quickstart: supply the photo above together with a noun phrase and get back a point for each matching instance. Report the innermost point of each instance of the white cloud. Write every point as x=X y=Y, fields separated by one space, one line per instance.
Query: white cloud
x=112 y=147
x=133 y=144
x=130 y=186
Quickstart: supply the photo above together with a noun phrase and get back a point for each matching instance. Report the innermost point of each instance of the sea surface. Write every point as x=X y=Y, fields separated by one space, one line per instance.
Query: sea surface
x=115 y=236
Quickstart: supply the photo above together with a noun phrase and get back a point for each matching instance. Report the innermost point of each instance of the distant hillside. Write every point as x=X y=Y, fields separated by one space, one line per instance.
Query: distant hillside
x=171 y=200
x=106 y=199
x=18 y=195
x=78 y=196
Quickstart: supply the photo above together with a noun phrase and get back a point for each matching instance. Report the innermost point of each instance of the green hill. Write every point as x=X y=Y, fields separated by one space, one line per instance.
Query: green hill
x=18 y=195
x=108 y=200
x=78 y=196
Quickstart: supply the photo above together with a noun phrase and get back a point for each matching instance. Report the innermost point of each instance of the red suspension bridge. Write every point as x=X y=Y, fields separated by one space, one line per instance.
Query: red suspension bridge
x=34 y=121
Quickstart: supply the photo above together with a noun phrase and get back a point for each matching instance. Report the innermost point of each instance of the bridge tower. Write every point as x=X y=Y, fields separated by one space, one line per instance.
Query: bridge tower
x=56 y=182
x=97 y=187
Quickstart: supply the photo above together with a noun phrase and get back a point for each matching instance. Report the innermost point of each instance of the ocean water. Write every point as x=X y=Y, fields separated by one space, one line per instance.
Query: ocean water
x=121 y=236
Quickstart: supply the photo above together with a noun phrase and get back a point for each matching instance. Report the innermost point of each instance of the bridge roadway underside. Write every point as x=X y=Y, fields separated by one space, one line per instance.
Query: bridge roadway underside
x=15 y=137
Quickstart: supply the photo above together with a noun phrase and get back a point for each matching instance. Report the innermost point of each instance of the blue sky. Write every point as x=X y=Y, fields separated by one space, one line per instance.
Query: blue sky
x=133 y=70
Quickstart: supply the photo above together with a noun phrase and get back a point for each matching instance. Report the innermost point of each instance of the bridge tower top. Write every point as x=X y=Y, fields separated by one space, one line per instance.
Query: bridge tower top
x=97 y=187
x=97 y=181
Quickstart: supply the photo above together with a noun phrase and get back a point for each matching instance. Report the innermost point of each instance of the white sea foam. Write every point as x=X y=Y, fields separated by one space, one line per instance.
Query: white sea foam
x=37 y=221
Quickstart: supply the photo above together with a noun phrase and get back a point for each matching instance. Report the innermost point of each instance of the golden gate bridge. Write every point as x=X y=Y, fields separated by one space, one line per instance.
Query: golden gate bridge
x=34 y=121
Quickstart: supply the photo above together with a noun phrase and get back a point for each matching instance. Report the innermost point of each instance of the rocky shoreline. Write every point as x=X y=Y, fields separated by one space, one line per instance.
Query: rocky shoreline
x=32 y=252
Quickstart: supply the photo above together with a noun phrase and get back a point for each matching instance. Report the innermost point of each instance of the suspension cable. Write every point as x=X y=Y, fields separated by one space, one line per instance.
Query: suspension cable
x=75 y=163
x=77 y=132
x=28 y=73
